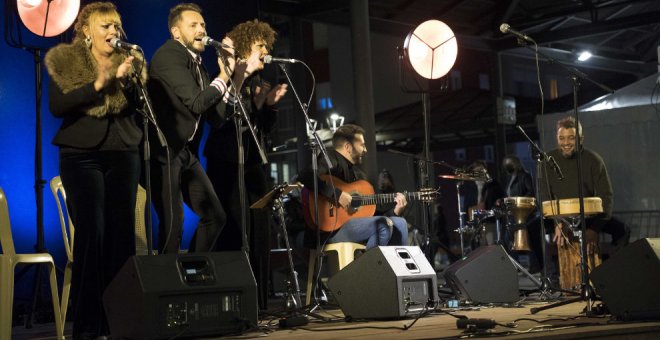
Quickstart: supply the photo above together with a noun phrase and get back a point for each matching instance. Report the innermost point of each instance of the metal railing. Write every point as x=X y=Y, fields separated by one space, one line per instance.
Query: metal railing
x=642 y=223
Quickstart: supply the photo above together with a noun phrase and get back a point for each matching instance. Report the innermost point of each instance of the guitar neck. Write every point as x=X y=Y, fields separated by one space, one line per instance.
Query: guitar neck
x=375 y=199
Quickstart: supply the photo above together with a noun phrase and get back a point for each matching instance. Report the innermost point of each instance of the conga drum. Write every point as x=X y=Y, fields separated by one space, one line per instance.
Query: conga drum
x=569 y=254
x=569 y=264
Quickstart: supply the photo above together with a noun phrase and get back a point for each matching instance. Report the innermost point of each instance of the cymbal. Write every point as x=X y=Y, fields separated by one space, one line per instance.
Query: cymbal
x=461 y=177
x=268 y=197
x=61 y=14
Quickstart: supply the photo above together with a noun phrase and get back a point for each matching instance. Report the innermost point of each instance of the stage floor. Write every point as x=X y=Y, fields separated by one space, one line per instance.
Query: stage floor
x=563 y=322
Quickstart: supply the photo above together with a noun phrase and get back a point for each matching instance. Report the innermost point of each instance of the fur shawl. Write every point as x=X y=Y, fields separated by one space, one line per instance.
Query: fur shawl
x=72 y=66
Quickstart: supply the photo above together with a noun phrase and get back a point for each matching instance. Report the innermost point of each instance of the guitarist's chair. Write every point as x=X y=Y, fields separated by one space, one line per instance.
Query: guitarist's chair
x=343 y=253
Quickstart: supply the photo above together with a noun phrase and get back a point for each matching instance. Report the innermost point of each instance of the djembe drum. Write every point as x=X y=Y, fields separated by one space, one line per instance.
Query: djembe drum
x=568 y=211
x=518 y=210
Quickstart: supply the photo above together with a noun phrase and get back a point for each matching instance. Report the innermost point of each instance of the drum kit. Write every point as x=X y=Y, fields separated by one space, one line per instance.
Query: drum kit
x=516 y=211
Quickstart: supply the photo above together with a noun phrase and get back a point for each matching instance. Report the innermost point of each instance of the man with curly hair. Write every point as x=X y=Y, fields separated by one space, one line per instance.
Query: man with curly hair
x=259 y=98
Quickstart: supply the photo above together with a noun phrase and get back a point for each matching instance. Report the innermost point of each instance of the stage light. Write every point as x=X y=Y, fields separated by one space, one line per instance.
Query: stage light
x=584 y=56
x=311 y=129
x=334 y=121
x=48 y=17
x=431 y=49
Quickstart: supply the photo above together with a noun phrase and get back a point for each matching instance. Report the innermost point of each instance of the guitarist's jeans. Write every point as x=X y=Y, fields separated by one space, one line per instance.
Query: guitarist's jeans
x=373 y=231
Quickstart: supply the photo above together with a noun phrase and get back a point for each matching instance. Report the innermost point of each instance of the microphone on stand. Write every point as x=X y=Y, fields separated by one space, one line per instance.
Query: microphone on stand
x=270 y=59
x=208 y=41
x=556 y=168
x=122 y=45
x=505 y=28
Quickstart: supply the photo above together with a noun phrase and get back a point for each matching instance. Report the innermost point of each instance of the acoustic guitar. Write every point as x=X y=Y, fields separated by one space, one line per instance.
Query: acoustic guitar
x=332 y=216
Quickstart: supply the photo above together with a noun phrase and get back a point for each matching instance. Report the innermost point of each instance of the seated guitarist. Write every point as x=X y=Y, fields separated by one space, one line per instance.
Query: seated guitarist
x=347 y=153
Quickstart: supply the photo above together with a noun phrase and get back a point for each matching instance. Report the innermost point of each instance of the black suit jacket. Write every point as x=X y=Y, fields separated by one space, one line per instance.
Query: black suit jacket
x=222 y=144
x=177 y=97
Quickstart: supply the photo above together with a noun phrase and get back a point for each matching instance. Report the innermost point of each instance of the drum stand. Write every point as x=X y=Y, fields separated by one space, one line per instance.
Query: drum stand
x=461 y=217
x=587 y=294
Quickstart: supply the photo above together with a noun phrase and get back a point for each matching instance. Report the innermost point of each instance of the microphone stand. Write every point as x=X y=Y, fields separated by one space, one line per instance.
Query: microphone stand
x=148 y=115
x=460 y=213
x=316 y=145
x=240 y=116
x=541 y=158
x=587 y=292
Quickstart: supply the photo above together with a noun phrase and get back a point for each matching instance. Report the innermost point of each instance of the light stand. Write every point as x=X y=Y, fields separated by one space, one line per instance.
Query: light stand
x=39 y=182
x=430 y=49
x=35 y=17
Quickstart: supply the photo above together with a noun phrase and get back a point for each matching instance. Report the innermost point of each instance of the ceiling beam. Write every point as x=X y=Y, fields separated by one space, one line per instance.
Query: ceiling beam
x=588 y=30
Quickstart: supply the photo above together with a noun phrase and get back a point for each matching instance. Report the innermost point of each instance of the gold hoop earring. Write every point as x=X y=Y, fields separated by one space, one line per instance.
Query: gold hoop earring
x=88 y=42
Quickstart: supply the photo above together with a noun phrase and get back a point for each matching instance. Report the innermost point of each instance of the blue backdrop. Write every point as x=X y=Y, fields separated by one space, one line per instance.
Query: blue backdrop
x=145 y=23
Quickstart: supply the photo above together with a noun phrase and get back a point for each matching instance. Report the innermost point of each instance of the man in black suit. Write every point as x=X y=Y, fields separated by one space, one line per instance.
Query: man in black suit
x=184 y=97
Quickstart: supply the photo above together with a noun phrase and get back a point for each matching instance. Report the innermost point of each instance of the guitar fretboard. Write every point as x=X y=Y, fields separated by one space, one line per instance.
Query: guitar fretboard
x=387 y=198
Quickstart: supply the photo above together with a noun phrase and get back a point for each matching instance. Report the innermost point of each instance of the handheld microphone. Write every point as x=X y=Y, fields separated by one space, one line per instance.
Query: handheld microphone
x=269 y=59
x=208 y=41
x=505 y=28
x=556 y=168
x=122 y=45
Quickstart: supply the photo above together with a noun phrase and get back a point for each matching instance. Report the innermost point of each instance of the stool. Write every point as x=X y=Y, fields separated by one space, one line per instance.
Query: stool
x=344 y=254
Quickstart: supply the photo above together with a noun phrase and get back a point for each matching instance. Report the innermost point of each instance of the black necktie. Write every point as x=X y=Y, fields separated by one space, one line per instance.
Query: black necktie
x=198 y=67
x=200 y=80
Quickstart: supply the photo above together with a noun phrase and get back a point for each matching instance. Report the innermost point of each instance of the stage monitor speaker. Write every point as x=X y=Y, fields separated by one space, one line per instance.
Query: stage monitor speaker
x=486 y=275
x=385 y=282
x=628 y=281
x=182 y=295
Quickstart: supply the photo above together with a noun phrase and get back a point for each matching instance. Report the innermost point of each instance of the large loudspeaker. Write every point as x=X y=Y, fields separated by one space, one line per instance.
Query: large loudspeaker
x=486 y=275
x=182 y=295
x=385 y=282
x=628 y=282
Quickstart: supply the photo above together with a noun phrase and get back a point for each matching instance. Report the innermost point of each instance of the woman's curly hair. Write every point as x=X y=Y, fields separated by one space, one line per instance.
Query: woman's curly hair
x=107 y=9
x=245 y=34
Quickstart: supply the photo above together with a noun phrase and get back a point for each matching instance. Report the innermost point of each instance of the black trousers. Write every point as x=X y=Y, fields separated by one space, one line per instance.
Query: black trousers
x=224 y=176
x=185 y=181
x=101 y=188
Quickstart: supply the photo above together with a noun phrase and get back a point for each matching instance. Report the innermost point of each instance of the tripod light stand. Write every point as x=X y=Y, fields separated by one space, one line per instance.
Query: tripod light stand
x=430 y=49
x=45 y=18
